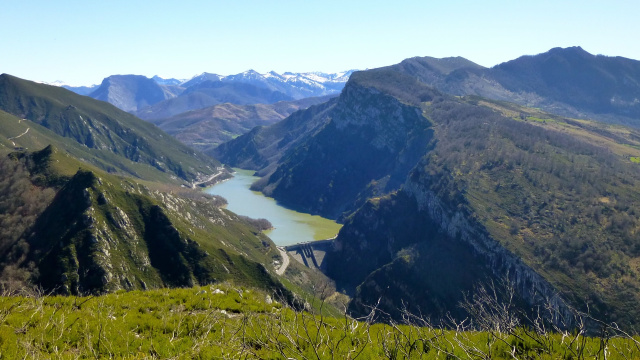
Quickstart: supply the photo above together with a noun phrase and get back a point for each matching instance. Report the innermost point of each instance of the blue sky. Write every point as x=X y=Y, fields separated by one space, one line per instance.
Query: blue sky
x=81 y=42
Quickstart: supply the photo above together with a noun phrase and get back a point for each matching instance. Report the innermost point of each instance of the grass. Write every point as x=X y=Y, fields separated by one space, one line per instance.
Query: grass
x=225 y=321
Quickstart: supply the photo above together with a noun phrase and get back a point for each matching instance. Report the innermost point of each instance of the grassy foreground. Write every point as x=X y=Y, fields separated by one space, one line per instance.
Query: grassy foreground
x=229 y=322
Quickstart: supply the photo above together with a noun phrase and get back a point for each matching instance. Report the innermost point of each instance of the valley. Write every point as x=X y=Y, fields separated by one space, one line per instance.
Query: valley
x=443 y=188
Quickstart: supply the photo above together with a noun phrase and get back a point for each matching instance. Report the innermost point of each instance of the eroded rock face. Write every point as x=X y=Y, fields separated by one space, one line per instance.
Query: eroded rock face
x=416 y=250
x=503 y=264
x=368 y=146
x=386 y=118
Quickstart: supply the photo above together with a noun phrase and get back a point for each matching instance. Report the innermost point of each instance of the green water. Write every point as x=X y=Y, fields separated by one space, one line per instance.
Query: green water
x=290 y=226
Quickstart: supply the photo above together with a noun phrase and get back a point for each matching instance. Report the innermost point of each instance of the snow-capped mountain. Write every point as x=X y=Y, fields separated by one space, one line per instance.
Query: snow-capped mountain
x=295 y=85
x=58 y=83
x=136 y=93
x=205 y=76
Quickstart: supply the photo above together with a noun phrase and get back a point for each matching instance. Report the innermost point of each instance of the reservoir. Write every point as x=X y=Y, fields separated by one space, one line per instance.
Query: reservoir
x=290 y=226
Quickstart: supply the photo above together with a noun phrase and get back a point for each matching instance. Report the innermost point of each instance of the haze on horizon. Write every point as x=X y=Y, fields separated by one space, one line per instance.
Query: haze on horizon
x=80 y=43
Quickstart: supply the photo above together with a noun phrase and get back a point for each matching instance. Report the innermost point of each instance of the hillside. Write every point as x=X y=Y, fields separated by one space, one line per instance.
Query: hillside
x=207 y=128
x=599 y=85
x=544 y=202
x=78 y=230
x=462 y=192
x=434 y=71
x=97 y=132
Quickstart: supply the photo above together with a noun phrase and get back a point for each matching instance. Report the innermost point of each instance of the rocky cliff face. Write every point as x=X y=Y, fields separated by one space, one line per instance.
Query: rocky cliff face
x=367 y=146
x=131 y=92
x=415 y=250
x=455 y=223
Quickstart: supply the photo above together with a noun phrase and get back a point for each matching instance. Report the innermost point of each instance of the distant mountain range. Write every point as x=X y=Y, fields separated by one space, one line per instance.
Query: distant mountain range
x=209 y=93
x=157 y=98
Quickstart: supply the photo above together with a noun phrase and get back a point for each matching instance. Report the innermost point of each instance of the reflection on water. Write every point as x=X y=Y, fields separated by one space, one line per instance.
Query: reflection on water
x=290 y=226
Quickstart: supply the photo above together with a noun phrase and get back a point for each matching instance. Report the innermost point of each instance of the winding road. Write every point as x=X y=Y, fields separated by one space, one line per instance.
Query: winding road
x=15 y=137
x=285 y=261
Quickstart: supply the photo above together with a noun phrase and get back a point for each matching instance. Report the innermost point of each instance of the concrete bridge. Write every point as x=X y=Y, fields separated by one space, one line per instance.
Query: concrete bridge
x=310 y=253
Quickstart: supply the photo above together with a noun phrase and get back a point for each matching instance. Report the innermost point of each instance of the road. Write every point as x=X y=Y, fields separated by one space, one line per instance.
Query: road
x=285 y=261
x=208 y=179
x=15 y=137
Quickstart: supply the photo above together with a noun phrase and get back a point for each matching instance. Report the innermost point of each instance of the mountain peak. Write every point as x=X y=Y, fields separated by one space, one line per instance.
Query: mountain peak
x=163 y=81
x=569 y=51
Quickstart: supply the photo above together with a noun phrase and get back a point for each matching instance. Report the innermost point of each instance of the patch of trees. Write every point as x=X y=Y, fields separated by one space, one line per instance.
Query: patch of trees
x=260 y=224
x=401 y=86
x=21 y=203
x=215 y=200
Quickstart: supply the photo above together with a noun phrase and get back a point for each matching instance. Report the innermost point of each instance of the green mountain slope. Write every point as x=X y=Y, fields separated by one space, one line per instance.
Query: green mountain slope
x=113 y=139
x=100 y=233
x=229 y=320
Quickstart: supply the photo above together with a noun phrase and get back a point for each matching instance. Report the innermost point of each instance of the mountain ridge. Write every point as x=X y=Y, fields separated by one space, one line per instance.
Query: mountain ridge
x=112 y=137
x=134 y=93
x=566 y=81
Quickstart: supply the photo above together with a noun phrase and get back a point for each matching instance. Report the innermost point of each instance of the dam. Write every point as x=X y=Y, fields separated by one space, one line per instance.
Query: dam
x=310 y=253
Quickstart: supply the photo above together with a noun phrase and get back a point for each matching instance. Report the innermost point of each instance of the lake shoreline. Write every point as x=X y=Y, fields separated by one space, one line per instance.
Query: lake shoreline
x=289 y=226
